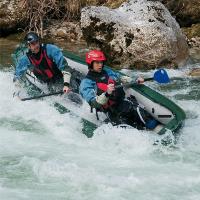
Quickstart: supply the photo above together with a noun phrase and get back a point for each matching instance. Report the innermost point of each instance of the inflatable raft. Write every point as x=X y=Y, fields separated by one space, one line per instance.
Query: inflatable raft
x=169 y=114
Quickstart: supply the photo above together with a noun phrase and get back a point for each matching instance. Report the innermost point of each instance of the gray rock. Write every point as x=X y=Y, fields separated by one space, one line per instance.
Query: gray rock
x=139 y=33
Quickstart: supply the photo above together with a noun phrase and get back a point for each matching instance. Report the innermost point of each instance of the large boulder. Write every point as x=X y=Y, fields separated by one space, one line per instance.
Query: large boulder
x=139 y=33
x=12 y=16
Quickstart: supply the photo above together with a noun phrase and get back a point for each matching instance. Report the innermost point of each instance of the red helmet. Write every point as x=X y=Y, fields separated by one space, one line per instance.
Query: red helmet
x=95 y=55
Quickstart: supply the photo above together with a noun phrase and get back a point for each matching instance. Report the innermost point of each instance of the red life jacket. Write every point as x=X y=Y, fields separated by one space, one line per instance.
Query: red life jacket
x=43 y=67
x=102 y=80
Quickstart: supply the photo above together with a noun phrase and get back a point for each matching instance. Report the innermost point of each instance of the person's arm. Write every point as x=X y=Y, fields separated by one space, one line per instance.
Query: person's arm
x=21 y=67
x=123 y=78
x=127 y=79
x=99 y=100
x=20 y=70
x=88 y=92
x=56 y=55
x=111 y=73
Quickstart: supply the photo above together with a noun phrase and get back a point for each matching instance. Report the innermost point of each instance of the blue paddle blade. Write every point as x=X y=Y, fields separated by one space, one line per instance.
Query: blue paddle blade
x=161 y=76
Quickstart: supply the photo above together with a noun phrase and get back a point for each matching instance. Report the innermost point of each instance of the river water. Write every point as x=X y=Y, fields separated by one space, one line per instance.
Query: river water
x=44 y=155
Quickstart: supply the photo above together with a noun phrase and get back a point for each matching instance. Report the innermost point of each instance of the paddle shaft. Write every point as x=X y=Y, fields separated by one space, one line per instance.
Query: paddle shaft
x=149 y=79
x=130 y=84
x=61 y=92
x=42 y=95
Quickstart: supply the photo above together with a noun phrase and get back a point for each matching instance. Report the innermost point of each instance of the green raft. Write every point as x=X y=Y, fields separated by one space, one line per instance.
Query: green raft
x=169 y=114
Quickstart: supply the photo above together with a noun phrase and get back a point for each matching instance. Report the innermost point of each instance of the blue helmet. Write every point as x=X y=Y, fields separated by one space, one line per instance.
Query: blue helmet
x=31 y=37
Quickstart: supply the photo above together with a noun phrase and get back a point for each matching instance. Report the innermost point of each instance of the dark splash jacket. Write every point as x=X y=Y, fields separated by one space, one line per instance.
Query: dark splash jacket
x=95 y=85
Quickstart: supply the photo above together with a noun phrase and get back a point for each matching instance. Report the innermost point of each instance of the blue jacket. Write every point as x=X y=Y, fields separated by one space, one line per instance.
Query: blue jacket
x=53 y=52
x=88 y=87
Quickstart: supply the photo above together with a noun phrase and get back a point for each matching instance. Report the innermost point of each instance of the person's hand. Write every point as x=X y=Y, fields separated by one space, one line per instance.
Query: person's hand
x=110 y=88
x=66 y=89
x=140 y=80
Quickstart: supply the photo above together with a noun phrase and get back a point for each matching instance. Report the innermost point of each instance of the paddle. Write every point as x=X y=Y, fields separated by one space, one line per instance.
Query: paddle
x=42 y=95
x=160 y=76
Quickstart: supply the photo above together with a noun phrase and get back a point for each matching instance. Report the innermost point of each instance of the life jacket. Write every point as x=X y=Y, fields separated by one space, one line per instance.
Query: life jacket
x=102 y=80
x=43 y=67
